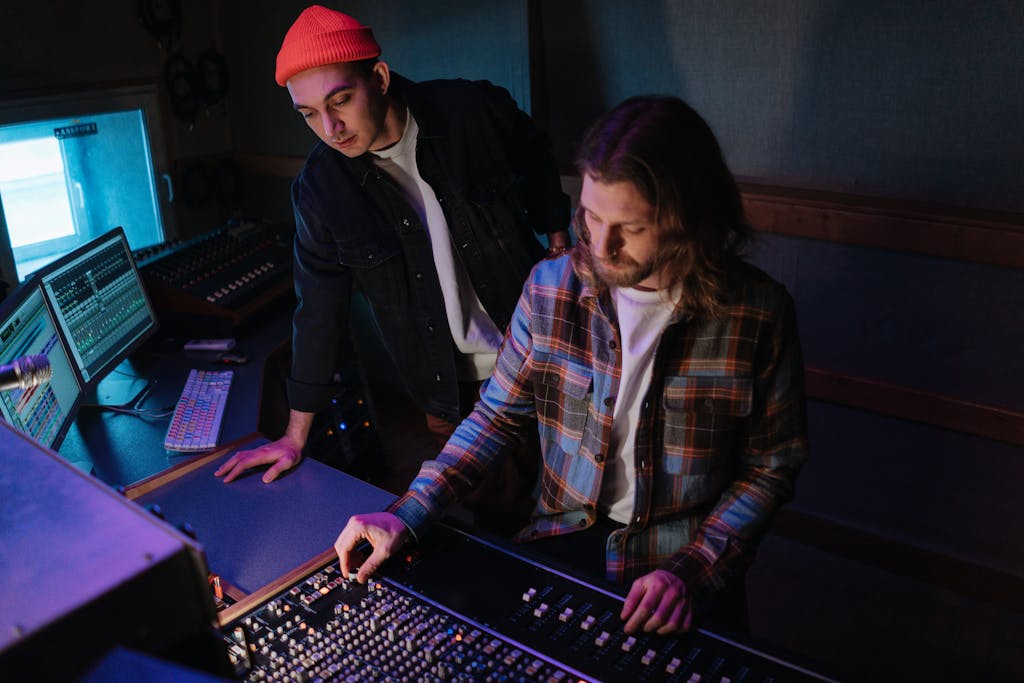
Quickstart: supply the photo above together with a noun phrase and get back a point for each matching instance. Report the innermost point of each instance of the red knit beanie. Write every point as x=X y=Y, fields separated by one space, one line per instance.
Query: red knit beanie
x=323 y=36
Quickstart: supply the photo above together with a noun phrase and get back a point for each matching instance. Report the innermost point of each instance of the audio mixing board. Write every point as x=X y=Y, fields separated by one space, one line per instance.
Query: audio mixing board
x=232 y=272
x=460 y=609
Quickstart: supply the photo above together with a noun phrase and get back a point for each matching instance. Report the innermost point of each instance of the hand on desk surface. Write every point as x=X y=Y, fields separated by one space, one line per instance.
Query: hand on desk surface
x=658 y=602
x=281 y=455
x=383 y=530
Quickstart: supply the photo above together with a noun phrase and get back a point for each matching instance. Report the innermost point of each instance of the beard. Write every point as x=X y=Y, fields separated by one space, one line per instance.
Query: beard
x=622 y=270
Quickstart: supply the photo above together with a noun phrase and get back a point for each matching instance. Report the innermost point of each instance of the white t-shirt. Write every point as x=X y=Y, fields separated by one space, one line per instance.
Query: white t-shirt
x=476 y=336
x=643 y=316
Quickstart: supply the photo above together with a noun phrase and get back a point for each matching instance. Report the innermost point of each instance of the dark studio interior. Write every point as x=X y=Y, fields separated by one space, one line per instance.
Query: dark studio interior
x=879 y=149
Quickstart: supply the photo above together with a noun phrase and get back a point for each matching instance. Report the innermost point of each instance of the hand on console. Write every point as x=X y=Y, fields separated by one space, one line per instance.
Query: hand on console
x=657 y=602
x=281 y=455
x=382 y=530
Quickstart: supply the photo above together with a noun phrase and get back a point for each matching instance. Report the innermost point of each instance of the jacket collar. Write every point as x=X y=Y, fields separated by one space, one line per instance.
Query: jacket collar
x=422 y=106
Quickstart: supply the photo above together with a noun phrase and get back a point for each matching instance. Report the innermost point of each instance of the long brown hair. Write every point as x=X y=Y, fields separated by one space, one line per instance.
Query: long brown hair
x=662 y=146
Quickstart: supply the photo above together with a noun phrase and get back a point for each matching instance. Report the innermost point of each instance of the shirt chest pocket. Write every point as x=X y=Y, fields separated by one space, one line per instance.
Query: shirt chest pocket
x=702 y=416
x=563 y=392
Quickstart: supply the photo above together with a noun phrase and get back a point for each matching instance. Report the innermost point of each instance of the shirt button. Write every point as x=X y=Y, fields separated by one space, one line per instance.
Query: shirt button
x=437 y=377
x=582 y=523
x=430 y=329
x=405 y=222
x=419 y=276
x=637 y=520
x=708 y=403
x=609 y=401
x=612 y=344
x=598 y=458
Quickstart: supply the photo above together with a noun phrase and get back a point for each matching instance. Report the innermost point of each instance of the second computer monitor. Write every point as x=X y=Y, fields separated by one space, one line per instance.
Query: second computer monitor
x=44 y=411
x=100 y=304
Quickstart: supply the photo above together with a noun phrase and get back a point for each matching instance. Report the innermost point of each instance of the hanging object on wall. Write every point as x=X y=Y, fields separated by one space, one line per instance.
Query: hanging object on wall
x=181 y=81
x=192 y=87
x=212 y=75
x=162 y=20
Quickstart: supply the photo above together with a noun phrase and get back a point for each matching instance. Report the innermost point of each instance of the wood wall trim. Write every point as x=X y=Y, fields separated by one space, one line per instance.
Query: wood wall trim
x=994 y=238
x=901 y=558
x=986 y=421
x=280 y=166
x=164 y=477
x=264 y=593
x=985 y=237
x=977 y=236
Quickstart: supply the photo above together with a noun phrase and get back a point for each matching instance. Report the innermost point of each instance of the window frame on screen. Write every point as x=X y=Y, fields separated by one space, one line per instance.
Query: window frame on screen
x=82 y=103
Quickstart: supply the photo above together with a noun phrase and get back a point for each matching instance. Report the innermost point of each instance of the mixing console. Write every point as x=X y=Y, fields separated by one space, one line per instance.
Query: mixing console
x=462 y=610
x=231 y=272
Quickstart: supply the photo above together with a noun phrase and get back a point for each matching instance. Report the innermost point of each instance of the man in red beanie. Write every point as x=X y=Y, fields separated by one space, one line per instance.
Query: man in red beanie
x=428 y=199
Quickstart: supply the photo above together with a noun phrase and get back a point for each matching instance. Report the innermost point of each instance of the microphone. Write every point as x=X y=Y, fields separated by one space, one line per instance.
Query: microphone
x=25 y=372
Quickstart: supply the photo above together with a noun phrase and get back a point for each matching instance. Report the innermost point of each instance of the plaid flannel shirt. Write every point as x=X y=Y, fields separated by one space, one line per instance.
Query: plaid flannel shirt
x=721 y=436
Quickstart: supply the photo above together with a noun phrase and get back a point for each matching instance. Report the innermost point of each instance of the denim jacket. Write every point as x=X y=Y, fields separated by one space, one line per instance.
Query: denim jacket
x=498 y=185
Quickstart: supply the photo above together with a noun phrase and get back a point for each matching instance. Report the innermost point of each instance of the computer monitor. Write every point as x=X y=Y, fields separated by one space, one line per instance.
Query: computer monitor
x=100 y=304
x=27 y=327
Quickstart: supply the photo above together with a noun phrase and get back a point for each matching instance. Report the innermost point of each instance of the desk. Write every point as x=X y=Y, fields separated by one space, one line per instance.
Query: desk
x=122 y=449
x=251 y=533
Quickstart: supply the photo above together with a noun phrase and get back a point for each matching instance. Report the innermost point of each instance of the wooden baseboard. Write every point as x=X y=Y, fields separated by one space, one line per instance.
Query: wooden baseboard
x=901 y=558
x=986 y=421
x=986 y=237
x=279 y=166
x=994 y=238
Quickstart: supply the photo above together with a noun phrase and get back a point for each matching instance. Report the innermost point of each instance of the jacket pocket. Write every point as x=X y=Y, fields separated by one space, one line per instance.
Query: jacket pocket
x=365 y=255
x=563 y=389
x=377 y=270
x=702 y=414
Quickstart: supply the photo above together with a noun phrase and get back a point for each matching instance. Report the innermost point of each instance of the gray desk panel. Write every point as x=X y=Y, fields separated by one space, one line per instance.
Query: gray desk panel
x=253 y=532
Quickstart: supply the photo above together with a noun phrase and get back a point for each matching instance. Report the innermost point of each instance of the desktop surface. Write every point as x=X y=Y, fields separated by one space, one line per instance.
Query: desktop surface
x=253 y=532
x=122 y=449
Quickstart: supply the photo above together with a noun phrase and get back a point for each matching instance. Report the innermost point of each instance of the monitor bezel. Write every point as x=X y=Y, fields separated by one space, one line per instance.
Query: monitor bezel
x=15 y=300
x=91 y=381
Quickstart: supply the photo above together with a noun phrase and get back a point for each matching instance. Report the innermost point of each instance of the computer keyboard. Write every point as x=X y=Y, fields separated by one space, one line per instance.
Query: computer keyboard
x=195 y=425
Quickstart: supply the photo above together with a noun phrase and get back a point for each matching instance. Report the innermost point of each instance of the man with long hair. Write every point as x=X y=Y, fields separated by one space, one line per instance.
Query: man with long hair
x=662 y=372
